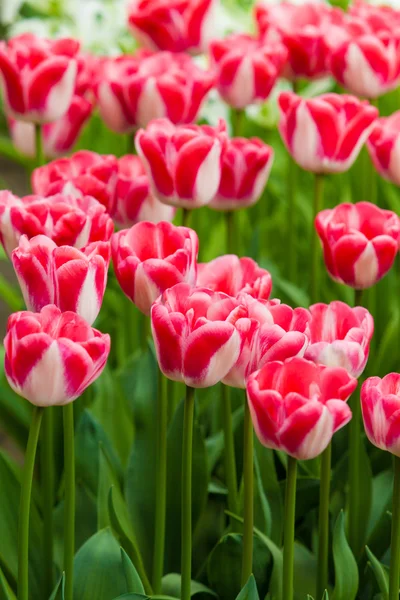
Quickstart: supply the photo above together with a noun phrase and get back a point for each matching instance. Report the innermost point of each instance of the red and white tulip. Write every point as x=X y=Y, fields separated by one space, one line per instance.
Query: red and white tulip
x=380 y=404
x=384 y=147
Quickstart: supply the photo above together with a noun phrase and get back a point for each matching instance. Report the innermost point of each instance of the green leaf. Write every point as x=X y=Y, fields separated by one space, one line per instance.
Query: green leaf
x=58 y=592
x=346 y=570
x=6 y=592
x=305 y=571
x=272 y=489
x=107 y=479
x=132 y=578
x=380 y=572
x=249 y=592
x=262 y=510
x=171 y=586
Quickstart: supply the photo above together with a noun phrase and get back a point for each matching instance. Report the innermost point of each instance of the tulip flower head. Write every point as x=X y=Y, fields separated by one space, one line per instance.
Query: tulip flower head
x=380 y=404
x=384 y=147
x=296 y=405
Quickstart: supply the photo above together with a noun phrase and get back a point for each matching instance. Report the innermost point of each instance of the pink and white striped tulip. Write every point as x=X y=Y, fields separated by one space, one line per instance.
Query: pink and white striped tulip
x=149 y=258
x=52 y=357
x=296 y=406
x=193 y=345
x=233 y=275
x=380 y=404
x=340 y=336
x=183 y=162
x=360 y=242
x=384 y=147
x=74 y=280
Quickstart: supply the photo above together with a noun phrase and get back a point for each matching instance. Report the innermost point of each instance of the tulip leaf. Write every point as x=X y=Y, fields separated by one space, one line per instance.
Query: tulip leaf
x=346 y=570
x=58 y=592
x=171 y=586
x=262 y=510
x=107 y=479
x=380 y=572
x=133 y=581
x=270 y=483
x=6 y=592
x=249 y=592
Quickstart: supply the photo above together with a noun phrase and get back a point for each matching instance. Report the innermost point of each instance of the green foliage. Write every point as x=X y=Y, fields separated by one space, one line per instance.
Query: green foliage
x=346 y=570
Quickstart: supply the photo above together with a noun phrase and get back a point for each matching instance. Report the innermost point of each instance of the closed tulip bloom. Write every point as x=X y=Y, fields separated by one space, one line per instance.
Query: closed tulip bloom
x=51 y=357
x=325 y=134
x=246 y=165
x=246 y=67
x=192 y=345
x=174 y=25
x=380 y=404
x=340 y=336
x=38 y=77
x=74 y=280
x=233 y=275
x=296 y=406
x=134 y=90
x=134 y=201
x=59 y=137
x=149 y=258
x=360 y=242
x=384 y=147
x=183 y=162
x=67 y=220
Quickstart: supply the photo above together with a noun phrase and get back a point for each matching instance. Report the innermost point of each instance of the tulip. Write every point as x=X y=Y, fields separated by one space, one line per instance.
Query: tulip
x=360 y=242
x=59 y=137
x=246 y=165
x=134 y=202
x=191 y=344
x=65 y=219
x=149 y=258
x=247 y=68
x=325 y=134
x=233 y=275
x=74 y=280
x=174 y=25
x=184 y=162
x=38 y=77
x=297 y=405
x=384 y=147
x=380 y=404
x=132 y=91
x=52 y=357
x=340 y=336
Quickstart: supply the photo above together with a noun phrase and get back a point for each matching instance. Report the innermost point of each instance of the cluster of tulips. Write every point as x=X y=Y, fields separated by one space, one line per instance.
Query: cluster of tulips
x=212 y=322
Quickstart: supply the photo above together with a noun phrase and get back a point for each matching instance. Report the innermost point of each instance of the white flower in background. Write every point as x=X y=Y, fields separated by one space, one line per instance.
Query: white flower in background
x=9 y=10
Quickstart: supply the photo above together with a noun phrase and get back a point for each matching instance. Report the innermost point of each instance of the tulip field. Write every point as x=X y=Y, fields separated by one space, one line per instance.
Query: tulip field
x=200 y=300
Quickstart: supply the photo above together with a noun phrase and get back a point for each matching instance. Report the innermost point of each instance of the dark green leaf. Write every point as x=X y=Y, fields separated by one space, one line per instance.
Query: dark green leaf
x=346 y=570
x=249 y=592
x=58 y=592
x=305 y=571
x=107 y=480
x=133 y=581
x=272 y=489
x=6 y=592
x=380 y=572
x=171 y=586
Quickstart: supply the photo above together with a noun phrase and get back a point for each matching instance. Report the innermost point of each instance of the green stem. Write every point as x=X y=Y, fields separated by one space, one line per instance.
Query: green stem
x=69 y=507
x=47 y=471
x=394 y=572
x=185 y=217
x=289 y=524
x=292 y=171
x=25 y=504
x=229 y=450
x=230 y=231
x=40 y=159
x=237 y=116
x=161 y=484
x=186 y=549
x=323 y=534
x=248 y=486
x=358 y=297
x=315 y=251
x=130 y=143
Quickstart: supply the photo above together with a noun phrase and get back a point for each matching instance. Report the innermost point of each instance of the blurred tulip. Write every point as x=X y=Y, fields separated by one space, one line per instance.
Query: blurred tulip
x=149 y=258
x=52 y=357
x=326 y=133
x=384 y=147
x=297 y=406
x=360 y=242
x=134 y=90
x=67 y=220
x=191 y=345
x=71 y=279
x=340 y=336
x=183 y=163
x=232 y=275
x=246 y=165
x=380 y=404
x=174 y=25
x=38 y=77
x=246 y=67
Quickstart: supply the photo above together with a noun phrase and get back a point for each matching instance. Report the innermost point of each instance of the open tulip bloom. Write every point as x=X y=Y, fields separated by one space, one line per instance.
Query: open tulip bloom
x=380 y=404
x=384 y=147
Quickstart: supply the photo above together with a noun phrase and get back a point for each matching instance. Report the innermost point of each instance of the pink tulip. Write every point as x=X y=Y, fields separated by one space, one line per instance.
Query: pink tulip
x=149 y=258
x=340 y=336
x=296 y=406
x=246 y=67
x=38 y=77
x=52 y=357
x=233 y=275
x=192 y=344
x=326 y=133
x=74 y=280
x=360 y=242
x=380 y=404
x=134 y=90
x=384 y=147
x=183 y=163
x=67 y=220
x=174 y=25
